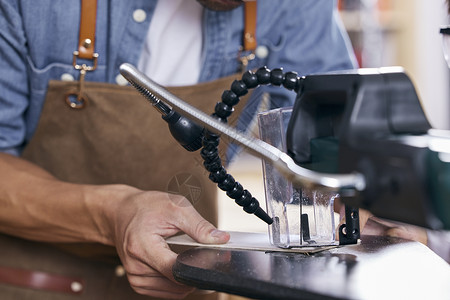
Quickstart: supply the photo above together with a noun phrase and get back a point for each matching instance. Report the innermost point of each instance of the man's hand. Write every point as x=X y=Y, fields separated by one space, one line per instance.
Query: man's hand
x=371 y=225
x=377 y=226
x=35 y=205
x=141 y=222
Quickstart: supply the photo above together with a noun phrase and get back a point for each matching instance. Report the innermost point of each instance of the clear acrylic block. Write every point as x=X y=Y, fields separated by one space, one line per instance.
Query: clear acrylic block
x=302 y=217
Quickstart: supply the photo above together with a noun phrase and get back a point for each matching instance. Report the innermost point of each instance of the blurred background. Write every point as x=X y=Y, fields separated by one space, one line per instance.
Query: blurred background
x=383 y=33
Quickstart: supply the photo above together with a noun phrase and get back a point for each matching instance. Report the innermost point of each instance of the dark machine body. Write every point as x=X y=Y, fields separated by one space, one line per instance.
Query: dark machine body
x=371 y=121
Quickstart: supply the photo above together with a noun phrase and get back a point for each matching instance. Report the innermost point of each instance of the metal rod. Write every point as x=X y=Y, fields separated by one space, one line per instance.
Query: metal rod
x=299 y=176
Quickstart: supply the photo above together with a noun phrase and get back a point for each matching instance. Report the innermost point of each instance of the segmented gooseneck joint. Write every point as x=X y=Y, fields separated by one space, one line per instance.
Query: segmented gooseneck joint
x=222 y=111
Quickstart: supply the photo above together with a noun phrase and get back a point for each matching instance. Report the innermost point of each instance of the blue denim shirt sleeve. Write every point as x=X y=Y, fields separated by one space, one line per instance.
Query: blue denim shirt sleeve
x=37 y=41
x=13 y=84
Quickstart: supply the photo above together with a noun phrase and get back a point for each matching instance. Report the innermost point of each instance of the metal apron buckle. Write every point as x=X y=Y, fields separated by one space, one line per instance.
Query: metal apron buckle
x=77 y=99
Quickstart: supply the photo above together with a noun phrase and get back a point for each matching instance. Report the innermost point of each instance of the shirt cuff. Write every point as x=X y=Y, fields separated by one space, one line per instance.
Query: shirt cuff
x=12 y=151
x=439 y=242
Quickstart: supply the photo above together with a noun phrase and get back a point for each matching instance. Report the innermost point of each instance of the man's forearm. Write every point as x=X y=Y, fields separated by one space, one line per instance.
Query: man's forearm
x=36 y=205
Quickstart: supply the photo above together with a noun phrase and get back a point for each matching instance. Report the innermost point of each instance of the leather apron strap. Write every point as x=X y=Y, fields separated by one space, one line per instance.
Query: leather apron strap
x=249 y=38
x=250 y=26
x=86 y=46
x=88 y=18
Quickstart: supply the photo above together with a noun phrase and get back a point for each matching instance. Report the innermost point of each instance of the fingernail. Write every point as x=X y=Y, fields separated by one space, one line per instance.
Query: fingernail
x=218 y=234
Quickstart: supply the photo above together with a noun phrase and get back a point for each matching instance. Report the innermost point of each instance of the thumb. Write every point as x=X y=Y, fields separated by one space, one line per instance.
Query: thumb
x=194 y=225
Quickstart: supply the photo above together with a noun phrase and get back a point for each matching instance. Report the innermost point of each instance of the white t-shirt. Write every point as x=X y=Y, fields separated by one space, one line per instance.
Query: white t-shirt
x=172 y=51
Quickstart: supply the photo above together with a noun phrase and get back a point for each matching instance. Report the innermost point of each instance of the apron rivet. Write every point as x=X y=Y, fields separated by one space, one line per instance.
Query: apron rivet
x=87 y=43
x=76 y=100
x=120 y=271
x=76 y=287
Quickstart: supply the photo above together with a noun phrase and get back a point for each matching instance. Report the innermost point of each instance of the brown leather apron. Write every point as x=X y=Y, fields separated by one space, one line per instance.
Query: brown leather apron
x=116 y=138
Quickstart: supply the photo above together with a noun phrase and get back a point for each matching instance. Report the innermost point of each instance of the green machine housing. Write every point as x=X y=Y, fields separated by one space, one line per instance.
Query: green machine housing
x=371 y=121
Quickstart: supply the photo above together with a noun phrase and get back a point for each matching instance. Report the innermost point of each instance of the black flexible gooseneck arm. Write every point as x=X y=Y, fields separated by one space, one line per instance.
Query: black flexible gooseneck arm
x=222 y=111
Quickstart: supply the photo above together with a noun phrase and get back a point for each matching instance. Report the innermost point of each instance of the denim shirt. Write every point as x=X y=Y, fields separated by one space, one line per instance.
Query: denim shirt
x=38 y=37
